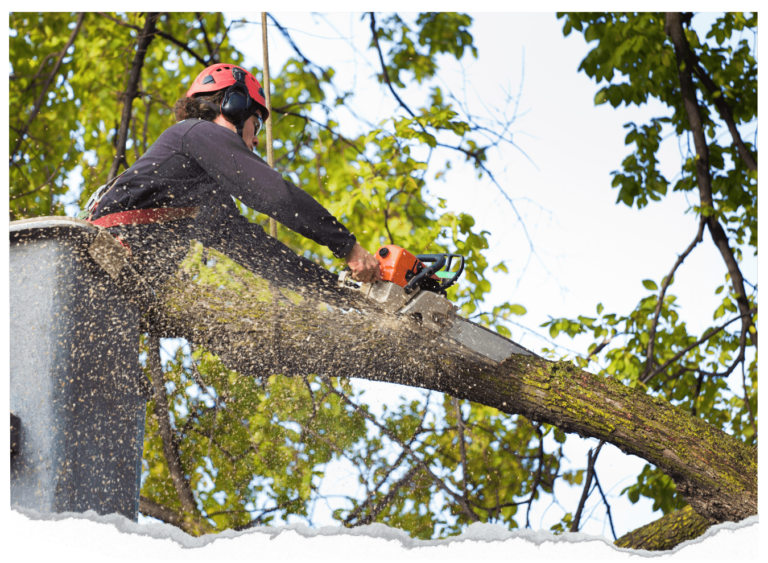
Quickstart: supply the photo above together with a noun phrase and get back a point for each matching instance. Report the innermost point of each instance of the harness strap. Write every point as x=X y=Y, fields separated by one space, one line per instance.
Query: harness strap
x=145 y=216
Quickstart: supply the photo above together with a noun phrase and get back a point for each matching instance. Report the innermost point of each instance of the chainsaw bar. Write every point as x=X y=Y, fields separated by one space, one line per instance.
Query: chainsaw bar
x=426 y=310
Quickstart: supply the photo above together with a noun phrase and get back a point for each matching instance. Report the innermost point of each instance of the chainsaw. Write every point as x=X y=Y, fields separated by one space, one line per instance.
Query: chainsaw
x=414 y=286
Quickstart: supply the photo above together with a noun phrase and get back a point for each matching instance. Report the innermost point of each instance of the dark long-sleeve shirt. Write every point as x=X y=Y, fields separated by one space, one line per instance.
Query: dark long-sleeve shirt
x=199 y=163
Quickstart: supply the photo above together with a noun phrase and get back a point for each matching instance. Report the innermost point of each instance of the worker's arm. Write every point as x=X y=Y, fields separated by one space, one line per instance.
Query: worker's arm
x=226 y=158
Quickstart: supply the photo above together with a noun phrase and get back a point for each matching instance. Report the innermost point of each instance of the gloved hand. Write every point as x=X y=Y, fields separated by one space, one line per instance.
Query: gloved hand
x=365 y=268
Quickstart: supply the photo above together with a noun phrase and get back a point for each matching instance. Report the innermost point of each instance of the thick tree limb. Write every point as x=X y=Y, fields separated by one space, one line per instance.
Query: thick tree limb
x=144 y=39
x=47 y=84
x=666 y=532
x=674 y=28
x=269 y=333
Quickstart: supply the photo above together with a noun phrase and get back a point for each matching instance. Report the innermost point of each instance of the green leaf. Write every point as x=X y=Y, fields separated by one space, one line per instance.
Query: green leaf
x=650 y=284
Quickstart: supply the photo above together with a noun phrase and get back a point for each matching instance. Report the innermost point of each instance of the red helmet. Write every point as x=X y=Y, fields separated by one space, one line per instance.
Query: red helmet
x=219 y=76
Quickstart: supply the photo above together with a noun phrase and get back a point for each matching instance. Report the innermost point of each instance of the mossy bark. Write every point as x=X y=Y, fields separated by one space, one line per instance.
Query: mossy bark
x=261 y=329
x=666 y=532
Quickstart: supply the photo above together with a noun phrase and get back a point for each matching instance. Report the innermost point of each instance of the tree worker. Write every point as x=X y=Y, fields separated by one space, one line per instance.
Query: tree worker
x=182 y=188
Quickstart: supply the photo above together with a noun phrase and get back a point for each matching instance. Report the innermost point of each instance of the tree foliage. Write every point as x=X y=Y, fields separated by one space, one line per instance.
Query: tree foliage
x=251 y=451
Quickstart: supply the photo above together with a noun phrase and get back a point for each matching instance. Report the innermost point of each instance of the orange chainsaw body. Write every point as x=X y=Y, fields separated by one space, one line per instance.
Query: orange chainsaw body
x=398 y=265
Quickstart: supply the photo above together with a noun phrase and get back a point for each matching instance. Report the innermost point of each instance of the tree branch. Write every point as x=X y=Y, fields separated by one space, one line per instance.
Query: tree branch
x=607 y=506
x=384 y=66
x=666 y=532
x=439 y=482
x=173 y=461
x=152 y=509
x=205 y=37
x=714 y=90
x=144 y=39
x=591 y=458
x=674 y=28
x=664 y=286
x=184 y=46
x=47 y=84
x=707 y=336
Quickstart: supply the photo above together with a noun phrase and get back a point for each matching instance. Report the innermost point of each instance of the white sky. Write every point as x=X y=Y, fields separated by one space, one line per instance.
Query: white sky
x=590 y=250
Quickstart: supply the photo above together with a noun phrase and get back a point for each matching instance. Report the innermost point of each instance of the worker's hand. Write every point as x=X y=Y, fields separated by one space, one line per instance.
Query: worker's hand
x=365 y=268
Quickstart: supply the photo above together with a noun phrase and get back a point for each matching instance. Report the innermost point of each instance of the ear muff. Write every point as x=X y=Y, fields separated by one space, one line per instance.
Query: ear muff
x=237 y=105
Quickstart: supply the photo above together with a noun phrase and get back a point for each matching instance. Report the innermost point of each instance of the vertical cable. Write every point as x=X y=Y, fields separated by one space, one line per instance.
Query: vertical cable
x=268 y=123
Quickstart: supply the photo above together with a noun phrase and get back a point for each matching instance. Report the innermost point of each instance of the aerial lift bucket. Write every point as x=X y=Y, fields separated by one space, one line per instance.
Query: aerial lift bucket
x=77 y=406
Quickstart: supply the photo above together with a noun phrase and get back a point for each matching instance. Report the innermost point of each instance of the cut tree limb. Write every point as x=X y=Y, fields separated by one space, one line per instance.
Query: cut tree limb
x=274 y=329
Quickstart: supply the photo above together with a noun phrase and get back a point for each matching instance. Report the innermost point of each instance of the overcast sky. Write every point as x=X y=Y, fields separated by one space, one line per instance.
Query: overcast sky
x=586 y=248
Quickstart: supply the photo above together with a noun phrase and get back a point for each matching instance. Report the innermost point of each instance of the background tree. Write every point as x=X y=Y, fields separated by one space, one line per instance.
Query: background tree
x=224 y=451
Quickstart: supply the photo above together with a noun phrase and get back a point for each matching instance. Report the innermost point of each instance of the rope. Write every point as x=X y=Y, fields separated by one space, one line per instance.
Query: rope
x=270 y=154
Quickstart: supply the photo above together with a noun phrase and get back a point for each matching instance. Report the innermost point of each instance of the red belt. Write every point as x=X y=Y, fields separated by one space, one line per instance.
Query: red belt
x=145 y=216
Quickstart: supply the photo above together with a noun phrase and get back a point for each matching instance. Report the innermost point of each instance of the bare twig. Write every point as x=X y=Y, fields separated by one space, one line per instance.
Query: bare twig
x=591 y=458
x=664 y=286
x=47 y=84
x=144 y=39
x=607 y=506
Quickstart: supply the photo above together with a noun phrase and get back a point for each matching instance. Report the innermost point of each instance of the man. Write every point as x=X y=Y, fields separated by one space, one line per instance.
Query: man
x=182 y=189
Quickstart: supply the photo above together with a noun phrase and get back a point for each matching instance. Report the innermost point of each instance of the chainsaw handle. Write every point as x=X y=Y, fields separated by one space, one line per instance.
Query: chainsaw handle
x=439 y=262
x=435 y=258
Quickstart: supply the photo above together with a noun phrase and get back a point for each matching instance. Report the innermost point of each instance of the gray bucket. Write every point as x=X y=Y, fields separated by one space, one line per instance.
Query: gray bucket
x=75 y=375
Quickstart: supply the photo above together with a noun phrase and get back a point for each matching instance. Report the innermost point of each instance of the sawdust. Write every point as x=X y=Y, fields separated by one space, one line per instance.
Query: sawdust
x=264 y=310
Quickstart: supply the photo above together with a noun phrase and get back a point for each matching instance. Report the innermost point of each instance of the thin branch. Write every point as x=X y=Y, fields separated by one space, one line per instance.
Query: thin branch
x=462 y=449
x=607 y=506
x=288 y=37
x=144 y=39
x=184 y=46
x=162 y=412
x=537 y=477
x=699 y=381
x=205 y=36
x=599 y=348
x=47 y=84
x=220 y=43
x=48 y=181
x=704 y=338
x=386 y=431
x=664 y=286
x=381 y=505
x=591 y=458
x=384 y=66
x=719 y=100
